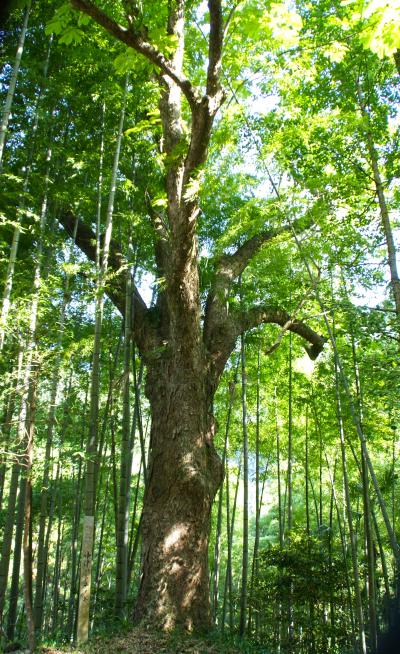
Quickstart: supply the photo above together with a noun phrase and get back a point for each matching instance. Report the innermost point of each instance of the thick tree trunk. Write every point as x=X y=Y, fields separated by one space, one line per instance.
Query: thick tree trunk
x=184 y=475
x=184 y=361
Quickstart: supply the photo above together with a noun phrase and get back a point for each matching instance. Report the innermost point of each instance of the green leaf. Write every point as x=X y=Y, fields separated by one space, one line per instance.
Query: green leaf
x=71 y=35
x=60 y=20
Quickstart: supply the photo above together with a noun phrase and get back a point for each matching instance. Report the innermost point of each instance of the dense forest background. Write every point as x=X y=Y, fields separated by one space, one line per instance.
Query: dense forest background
x=303 y=553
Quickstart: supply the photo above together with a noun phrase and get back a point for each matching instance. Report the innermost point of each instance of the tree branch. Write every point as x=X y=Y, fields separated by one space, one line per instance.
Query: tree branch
x=228 y=268
x=396 y=57
x=261 y=315
x=229 y=19
x=214 y=47
x=204 y=112
x=203 y=108
x=232 y=265
x=202 y=121
x=137 y=41
x=86 y=241
x=288 y=324
x=224 y=333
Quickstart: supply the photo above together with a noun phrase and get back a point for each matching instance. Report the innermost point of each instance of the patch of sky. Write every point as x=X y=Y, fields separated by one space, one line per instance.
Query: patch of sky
x=146 y=287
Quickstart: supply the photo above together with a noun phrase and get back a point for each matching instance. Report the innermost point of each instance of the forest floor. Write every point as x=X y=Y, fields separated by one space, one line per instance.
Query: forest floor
x=140 y=641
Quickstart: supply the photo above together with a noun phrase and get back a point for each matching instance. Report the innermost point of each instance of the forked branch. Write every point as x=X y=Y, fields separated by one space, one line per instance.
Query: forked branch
x=228 y=268
x=137 y=41
x=266 y=314
x=232 y=265
x=204 y=112
x=288 y=324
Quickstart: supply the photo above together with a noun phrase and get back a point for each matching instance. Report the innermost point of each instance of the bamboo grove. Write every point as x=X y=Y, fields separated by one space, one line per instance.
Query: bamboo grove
x=301 y=168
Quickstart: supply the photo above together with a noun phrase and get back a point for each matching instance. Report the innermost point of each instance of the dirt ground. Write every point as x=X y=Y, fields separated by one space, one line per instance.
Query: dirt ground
x=140 y=641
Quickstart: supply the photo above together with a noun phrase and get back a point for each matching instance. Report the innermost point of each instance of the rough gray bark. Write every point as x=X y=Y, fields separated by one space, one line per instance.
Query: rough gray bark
x=174 y=584
x=48 y=534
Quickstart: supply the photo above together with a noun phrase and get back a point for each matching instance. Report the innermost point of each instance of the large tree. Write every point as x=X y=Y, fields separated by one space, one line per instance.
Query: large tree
x=184 y=347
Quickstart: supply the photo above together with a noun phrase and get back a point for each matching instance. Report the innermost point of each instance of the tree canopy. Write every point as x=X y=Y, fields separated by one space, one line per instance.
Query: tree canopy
x=199 y=328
